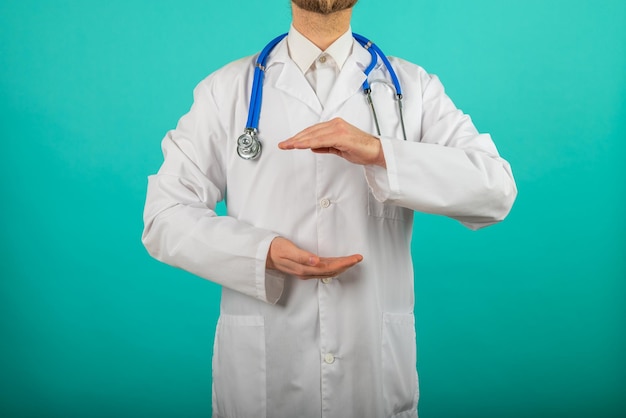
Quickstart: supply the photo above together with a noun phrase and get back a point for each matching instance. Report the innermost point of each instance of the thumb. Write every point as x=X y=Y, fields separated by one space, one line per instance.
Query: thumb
x=305 y=257
x=301 y=256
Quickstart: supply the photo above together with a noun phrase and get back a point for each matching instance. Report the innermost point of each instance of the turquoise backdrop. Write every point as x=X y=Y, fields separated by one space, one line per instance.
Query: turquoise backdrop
x=523 y=319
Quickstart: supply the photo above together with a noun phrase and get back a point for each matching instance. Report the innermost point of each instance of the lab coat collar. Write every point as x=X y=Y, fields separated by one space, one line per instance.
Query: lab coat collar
x=291 y=80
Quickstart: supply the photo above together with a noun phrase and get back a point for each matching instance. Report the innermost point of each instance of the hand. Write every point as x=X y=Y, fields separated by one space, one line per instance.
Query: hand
x=340 y=138
x=285 y=256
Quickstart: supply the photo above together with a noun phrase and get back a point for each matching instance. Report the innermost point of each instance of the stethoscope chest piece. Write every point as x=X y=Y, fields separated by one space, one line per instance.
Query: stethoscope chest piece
x=248 y=145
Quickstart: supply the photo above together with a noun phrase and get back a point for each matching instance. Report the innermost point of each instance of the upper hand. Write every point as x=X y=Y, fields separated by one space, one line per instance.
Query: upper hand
x=285 y=256
x=340 y=138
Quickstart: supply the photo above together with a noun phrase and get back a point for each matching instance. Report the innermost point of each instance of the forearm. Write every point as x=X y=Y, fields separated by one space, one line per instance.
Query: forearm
x=218 y=248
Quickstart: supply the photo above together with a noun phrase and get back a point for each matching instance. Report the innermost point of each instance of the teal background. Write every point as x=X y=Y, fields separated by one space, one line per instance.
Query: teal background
x=524 y=319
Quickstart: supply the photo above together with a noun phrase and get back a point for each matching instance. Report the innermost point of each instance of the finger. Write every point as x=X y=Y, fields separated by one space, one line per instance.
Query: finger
x=287 y=257
x=313 y=129
x=282 y=249
x=303 y=271
x=331 y=130
x=297 y=255
x=328 y=267
x=319 y=139
x=338 y=263
x=323 y=128
x=300 y=270
x=325 y=150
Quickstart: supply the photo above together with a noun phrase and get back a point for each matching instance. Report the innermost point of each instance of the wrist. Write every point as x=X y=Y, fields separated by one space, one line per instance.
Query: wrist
x=380 y=156
x=269 y=261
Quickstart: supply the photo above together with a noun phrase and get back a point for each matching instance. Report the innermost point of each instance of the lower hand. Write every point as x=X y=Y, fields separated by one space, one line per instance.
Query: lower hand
x=285 y=256
x=340 y=138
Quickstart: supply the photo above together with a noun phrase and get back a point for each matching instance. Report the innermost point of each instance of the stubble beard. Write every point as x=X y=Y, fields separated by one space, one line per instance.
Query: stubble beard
x=324 y=7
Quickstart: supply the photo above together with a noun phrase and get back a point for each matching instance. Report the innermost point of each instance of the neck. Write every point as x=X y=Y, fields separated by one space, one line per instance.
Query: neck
x=321 y=29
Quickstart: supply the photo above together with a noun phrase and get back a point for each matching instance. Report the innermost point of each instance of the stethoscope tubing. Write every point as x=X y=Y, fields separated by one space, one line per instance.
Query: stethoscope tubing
x=377 y=52
x=254 y=111
x=256 y=98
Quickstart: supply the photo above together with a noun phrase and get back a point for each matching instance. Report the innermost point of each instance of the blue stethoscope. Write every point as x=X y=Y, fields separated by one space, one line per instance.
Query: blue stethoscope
x=248 y=144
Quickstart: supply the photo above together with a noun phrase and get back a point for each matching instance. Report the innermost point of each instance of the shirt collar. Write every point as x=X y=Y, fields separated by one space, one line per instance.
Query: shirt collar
x=304 y=52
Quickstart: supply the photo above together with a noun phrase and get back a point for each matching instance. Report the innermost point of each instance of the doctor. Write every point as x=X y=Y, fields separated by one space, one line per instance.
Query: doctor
x=314 y=255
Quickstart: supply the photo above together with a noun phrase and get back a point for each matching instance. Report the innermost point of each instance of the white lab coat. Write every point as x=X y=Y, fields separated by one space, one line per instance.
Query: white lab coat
x=291 y=348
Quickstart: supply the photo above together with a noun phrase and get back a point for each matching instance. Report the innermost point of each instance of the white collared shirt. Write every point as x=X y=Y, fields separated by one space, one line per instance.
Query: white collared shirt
x=320 y=68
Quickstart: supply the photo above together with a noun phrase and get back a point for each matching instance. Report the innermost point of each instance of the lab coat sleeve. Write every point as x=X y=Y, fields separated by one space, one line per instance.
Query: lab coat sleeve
x=181 y=227
x=449 y=170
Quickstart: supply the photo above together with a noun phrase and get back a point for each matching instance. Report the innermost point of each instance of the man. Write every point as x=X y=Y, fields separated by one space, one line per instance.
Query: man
x=314 y=255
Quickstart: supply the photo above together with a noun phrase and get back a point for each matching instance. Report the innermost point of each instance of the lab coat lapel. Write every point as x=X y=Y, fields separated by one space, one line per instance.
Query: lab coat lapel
x=350 y=79
x=291 y=81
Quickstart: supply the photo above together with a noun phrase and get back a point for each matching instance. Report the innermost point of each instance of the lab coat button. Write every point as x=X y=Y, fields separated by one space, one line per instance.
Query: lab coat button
x=327 y=280
x=323 y=59
x=329 y=359
x=324 y=203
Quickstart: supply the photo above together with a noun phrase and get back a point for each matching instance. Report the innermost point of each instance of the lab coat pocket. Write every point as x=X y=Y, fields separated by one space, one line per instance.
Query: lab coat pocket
x=386 y=210
x=239 y=367
x=400 y=387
